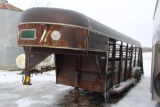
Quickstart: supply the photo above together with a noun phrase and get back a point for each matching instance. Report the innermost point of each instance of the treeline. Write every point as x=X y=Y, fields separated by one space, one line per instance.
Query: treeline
x=146 y=49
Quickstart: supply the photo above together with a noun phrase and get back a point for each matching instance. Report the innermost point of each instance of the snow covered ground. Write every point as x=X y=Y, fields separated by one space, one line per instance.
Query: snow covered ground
x=46 y=93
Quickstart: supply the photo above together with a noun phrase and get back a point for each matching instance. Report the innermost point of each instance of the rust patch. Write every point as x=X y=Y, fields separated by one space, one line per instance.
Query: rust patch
x=81 y=32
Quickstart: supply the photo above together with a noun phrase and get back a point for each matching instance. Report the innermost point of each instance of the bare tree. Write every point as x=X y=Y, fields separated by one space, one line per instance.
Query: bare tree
x=40 y=3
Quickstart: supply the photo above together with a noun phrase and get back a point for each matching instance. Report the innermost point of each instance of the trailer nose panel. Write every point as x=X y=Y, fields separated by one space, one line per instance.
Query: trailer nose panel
x=50 y=35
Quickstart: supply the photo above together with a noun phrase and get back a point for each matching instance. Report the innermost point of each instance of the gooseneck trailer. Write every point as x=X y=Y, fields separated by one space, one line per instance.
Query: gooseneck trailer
x=88 y=54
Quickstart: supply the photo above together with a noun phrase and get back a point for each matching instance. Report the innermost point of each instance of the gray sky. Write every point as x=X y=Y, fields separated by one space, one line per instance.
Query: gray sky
x=133 y=18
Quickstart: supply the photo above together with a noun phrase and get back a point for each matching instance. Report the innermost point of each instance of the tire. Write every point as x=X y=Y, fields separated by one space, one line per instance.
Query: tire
x=140 y=74
x=137 y=76
x=157 y=84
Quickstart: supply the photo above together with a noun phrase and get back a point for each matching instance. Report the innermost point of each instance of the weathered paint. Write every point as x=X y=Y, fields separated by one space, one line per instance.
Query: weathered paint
x=85 y=56
x=71 y=37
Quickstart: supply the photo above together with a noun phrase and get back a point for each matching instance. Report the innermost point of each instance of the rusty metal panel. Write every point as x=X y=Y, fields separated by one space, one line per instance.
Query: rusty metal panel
x=89 y=75
x=97 y=42
x=70 y=37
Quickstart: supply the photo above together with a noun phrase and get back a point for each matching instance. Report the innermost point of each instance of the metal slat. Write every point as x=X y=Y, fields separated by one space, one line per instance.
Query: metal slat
x=113 y=62
x=125 y=71
x=120 y=63
x=130 y=68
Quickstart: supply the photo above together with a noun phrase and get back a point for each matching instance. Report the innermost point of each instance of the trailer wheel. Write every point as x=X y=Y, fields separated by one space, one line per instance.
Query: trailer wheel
x=140 y=74
x=157 y=84
x=137 y=76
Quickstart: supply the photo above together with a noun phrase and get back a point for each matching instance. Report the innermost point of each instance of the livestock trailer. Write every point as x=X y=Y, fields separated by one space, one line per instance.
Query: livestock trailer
x=88 y=54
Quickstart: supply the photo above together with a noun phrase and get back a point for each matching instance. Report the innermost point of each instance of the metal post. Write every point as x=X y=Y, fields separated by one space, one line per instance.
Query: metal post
x=76 y=82
x=138 y=61
x=27 y=80
x=126 y=60
x=131 y=57
x=120 y=62
x=135 y=57
x=141 y=58
x=113 y=62
x=76 y=89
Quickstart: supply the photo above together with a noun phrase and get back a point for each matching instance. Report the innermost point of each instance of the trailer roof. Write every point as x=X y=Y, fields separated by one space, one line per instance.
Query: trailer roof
x=155 y=9
x=69 y=17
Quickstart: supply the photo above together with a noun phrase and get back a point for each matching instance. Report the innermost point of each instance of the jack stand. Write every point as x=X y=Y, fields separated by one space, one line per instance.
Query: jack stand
x=27 y=80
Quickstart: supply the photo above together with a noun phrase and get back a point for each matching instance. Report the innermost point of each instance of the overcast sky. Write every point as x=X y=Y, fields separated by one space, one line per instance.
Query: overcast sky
x=133 y=18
